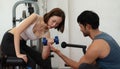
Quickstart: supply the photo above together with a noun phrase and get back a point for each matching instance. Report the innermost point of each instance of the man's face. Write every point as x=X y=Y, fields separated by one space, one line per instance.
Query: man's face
x=84 y=30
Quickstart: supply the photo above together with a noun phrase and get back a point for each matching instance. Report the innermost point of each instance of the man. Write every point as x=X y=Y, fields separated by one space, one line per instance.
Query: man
x=103 y=51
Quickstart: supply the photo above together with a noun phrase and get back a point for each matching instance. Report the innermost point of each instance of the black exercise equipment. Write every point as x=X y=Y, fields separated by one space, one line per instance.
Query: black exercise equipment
x=23 y=2
x=30 y=8
x=12 y=63
x=64 y=45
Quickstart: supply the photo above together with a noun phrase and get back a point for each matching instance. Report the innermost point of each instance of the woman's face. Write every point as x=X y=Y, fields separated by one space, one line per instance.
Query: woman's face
x=54 y=21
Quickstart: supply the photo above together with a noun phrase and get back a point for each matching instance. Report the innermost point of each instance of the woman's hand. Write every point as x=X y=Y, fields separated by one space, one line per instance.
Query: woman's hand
x=23 y=56
x=50 y=41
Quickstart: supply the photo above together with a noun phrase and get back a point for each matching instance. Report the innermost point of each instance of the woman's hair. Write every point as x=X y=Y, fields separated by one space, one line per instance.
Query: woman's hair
x=56 y=12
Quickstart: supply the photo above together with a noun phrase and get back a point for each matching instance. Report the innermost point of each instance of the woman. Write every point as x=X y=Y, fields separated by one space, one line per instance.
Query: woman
x=32 y=28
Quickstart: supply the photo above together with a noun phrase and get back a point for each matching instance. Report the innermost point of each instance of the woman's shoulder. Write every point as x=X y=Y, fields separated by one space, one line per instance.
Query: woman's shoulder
x=35 y=15
x=38 y=16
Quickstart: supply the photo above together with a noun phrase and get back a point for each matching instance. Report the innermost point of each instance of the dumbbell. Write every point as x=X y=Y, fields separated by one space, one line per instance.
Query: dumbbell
x=64 y=45
x=56 y=40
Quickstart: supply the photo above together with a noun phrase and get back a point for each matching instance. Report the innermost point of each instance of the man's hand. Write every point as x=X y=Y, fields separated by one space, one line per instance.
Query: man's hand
x=54 y=49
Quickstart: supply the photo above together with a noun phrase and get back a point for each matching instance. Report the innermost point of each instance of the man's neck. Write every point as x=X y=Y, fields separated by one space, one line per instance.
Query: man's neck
x=94 y=33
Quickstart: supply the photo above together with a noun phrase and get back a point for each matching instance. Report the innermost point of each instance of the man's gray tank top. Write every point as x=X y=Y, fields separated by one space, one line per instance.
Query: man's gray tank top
x=112 y=61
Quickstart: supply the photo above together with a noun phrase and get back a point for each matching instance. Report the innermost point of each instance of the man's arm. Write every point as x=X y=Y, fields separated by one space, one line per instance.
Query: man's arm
x=92 y=53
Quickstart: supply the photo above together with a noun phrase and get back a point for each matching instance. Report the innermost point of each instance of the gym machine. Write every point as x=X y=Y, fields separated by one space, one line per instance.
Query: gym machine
x=64 y=45
x=30 y=9
x=14 y=62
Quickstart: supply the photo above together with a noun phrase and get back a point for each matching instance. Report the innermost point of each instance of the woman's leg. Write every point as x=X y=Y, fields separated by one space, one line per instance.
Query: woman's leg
x=7 y=44
x=23 y=50
x=7 y=47
x=37 y=57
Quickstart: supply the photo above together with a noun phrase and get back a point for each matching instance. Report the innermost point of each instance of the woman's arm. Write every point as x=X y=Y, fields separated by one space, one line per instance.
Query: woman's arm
x=19 y=29
x=46 y=49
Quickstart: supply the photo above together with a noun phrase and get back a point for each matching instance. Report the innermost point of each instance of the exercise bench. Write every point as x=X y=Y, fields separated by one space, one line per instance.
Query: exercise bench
x=12 y=63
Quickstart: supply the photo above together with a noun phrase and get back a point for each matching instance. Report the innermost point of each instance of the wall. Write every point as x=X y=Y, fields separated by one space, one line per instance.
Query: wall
x=108 y=10
x=6 y=22
x=5 y=16
x=62 y=37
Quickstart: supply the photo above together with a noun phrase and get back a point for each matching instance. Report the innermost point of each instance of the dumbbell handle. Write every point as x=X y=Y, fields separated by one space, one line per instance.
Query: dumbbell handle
x=44 y=41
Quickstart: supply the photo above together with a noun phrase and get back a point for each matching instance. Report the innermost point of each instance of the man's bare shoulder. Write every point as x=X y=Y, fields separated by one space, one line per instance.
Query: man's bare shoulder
x=100 y=47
